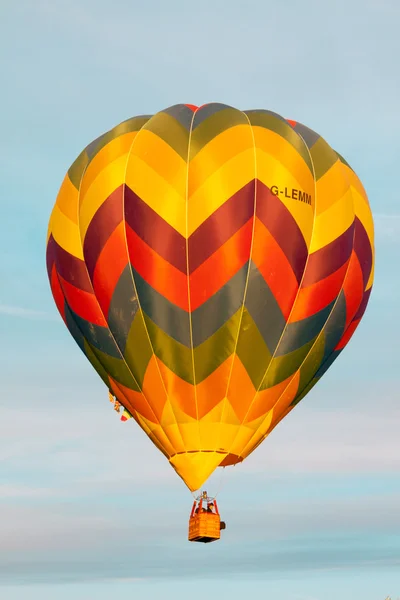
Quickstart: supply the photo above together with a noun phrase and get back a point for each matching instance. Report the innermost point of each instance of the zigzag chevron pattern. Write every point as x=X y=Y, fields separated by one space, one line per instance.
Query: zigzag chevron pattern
x=211 y=264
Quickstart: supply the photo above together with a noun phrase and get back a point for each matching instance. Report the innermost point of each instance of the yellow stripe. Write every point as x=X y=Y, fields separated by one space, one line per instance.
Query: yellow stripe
x=67 y=200
x=66 y=233
x=156 y=192
x=272 y=172
x=221 y=149
x=332 y=186
x=244 y=446
x=111 y=177
x=160 y=157
x=271 y=143
x=355 y=182
x=363 y=212
x=196 y=468
x=157 y=432
x=111 y=152
x=219 y=187
x=371 y=275
x=50 y=225
x=330 y=224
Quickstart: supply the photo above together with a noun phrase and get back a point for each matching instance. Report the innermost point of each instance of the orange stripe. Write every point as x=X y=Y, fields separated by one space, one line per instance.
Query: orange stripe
x=241 y=389
x=265 y=400
x=315 y=297
x=160 y=274
x=84 y=304
x=217 y=270
x=275 y=268
x=133 y=401
x=111 y=262
x=212 y=389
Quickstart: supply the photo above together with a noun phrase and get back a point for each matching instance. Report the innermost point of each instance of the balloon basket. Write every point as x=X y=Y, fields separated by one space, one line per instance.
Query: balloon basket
x=205 y=523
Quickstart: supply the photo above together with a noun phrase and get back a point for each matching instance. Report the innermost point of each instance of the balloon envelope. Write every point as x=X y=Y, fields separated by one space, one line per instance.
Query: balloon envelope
x=211 y=264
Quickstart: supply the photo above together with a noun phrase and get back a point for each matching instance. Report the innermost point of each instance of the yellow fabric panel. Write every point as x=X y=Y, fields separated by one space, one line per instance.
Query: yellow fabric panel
x=220 y=150
x=161 y=158
x=219 y=187
x=209 y=435
x=158 y=433
x=355 y=182
x=196 y=467
x=155 y=191
x=272 y=172
x=115 y=149
x=258 y=433
x=108 y=180
x=168 y=415
x=66 y=233
x=180 y=415
x=275 y=145
x=331 y=187
x=67 y=200
x=176 y=435
x=227 y=435
x=50 y=225
x=229 y=415
x=334 y=221
x=371 y=277
x=215 y=415
x=363 y=212
x=244 y=434
x=272 y=418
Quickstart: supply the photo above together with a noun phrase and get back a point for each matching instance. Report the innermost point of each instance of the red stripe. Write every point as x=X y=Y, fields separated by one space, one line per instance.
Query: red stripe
x=84 y=304
x=159 y=273
x=109 y=266
x=353 y=288
x=275 y=268
x=315 y=297
x=213 y=274
x=347 y=335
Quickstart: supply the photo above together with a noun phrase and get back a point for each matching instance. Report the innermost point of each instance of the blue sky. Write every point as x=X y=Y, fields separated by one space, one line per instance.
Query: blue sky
x=88 y=507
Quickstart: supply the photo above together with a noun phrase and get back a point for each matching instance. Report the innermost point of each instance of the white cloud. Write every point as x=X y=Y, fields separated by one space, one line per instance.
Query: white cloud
x=26 y=313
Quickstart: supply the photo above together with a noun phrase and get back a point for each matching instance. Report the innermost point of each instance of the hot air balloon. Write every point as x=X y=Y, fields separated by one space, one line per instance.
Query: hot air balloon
x=211 y=264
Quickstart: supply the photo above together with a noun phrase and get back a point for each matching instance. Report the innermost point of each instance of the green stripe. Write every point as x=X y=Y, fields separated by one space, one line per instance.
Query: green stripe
x=252 y=350
x=216 y=349
x=282 y=367
x=282 y=128
x=115 y=367
x=129 y=126
x=217 y=123
x=207 y=357
x=343 y=160
x=313 y=362
x=170 y=131
x=138 y=351
x=323 y=158
x=95 y=363
x=304 y=393
x=77 y=169
x=174 y=355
